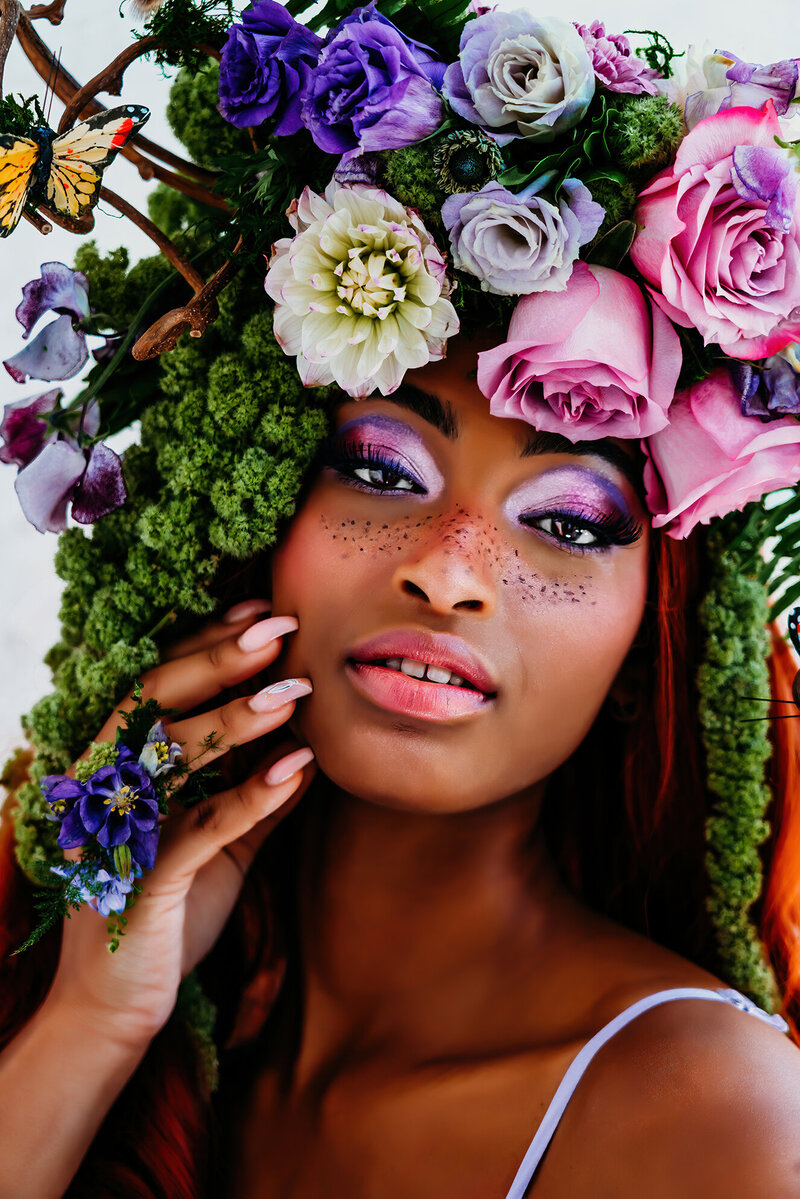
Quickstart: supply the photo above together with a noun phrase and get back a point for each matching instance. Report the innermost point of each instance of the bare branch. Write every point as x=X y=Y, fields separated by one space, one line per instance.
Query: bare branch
x=107 y=80
x=195 y=316
x=9 y=16
x=53 y=12
x=165 y=245
x=38 y=222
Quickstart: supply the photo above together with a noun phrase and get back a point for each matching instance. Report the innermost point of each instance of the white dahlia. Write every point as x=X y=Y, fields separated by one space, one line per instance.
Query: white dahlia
x=360 y=292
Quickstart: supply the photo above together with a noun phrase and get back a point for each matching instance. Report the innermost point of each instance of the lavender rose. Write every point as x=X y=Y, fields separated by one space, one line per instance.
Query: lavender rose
x=720 y=235
x=517 y=244
x=595 y=360
x=264 y=68
x=711 y=460
x=373 y=88
x=615 y=68
x=517 y=76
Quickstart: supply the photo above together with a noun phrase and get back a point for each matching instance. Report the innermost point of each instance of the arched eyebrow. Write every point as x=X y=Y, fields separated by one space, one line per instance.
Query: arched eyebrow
x=442 y=415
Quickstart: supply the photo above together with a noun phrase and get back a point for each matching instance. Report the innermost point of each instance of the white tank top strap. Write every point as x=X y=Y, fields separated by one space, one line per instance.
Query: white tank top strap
x=569 y=1082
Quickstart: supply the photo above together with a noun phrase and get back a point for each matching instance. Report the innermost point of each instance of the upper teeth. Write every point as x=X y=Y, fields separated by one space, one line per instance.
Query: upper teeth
x=423 y=670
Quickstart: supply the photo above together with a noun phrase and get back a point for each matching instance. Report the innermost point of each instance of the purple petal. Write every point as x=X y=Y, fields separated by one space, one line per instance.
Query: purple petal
x=59 y=290
x=44 y=488
x=762 y=174
x=115 y=831
x=756 y=84
x=23 y=430
x=58 y=352
x=60 y=786
x=93 y=812
x=73 y=831
x=143 y=848
x=102 y=488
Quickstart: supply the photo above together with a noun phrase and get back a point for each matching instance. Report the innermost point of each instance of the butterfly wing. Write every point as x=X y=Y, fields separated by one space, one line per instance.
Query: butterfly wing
x=82 y=153
x=18 y=159
x=794 y=631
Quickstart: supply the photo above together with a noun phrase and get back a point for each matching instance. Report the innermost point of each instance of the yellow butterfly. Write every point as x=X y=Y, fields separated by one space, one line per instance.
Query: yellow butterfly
x=64 y=170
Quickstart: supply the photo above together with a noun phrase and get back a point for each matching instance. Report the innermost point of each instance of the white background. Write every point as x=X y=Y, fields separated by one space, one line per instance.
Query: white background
x=91 y=34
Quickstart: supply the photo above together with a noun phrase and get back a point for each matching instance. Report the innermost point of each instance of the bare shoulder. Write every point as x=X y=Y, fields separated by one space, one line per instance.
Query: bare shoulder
x=704 y=1100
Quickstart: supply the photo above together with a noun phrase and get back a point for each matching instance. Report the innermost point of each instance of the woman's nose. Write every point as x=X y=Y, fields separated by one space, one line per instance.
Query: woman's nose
x=449 y=569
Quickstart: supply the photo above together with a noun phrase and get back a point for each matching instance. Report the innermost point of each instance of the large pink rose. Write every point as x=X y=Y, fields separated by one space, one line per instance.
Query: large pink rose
x=595 y=360
x=720 y=242
x=711 y=460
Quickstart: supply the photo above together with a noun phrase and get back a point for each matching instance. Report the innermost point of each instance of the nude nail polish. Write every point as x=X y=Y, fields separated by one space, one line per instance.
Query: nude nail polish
x=284 y=768
x=259 y=635
x=279 y=694
x=251 y=607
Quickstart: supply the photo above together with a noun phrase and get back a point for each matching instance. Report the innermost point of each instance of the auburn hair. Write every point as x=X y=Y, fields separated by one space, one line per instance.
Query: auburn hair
x=625 y=817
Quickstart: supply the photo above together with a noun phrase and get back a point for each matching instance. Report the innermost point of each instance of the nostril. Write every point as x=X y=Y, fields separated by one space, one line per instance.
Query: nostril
x=470 y=604
x=412 y=589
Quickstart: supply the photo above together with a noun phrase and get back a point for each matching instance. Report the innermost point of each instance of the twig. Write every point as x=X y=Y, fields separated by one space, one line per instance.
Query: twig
x=165 y=245
x=9 y=16
x=38 y=222
x=195 y=316
x=73 y=224
x=107 y=80
x=53 y=12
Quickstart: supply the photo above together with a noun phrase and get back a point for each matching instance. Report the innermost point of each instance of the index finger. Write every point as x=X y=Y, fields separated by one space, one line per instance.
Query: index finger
x=187 y=682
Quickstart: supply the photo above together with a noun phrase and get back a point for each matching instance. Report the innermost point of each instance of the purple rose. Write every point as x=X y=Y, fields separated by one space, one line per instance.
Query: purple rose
x=264 y=68
x=615 y=68
x=521 y=77
x=24 y=427
x=518 y=244
x=373 y=88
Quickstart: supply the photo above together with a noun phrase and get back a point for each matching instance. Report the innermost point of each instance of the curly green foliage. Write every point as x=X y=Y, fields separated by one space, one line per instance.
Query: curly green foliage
x=194 y=119
x=173 y=212
x=410 y=176
x=644 y=132
x=618 y=199
x=183 y=26
x=102 y=753
x=733 y=616
x=37 y=847
x=116 y=289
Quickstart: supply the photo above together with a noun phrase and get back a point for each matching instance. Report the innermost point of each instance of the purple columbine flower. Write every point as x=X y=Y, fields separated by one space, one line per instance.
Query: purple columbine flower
x=104 y=892
x=116 y=806
x=24 y=427
x=373 y=88
x=159 y=754
x=615 y=68
x=59 y=350
x=264 y=68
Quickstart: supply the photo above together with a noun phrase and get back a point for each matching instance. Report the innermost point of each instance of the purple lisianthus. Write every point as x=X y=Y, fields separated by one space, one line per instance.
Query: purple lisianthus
x=521 y=77
x=730 y=82
x=116 y=806
x=519 y=244
x=615 y=68
x=24 y=427
x=104 y=892
x=59 y=350
x=264 y=68
x=373 y=88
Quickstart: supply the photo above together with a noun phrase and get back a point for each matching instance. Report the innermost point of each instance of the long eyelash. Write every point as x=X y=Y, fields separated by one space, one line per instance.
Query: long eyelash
x=612 y=528
x=345 y=458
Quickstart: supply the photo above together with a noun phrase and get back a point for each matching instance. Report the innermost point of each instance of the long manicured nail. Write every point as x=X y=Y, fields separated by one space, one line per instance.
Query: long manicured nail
x=284 y=768
x=260 y=635
x=253 y=607
x=279 y=694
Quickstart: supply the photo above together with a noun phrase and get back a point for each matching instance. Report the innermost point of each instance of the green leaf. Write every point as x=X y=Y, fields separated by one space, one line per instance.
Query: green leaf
x=614 y=245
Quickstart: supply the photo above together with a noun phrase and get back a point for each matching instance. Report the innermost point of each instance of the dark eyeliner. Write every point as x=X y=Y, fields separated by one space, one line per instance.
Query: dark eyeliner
x=346 y=458
x=611 y=529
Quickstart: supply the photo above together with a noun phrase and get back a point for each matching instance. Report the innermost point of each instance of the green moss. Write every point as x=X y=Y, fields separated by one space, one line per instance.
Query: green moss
x=194 y=119
x=644 y=132
x=410 y=176
x=618 y=199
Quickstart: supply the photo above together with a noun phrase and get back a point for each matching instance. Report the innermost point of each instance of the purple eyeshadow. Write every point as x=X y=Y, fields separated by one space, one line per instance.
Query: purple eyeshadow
x=574 y=488
x=393 y=435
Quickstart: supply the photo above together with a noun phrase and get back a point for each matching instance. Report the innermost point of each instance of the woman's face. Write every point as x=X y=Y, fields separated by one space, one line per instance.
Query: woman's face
x=439 y=534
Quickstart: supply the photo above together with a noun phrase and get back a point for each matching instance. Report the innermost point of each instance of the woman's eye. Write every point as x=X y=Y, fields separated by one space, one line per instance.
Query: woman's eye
x=567 y=529
x=383 y=478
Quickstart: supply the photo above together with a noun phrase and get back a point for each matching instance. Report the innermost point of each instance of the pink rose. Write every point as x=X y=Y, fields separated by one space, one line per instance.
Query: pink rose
x=595 y=360
x=711 y=460
x=720 y=242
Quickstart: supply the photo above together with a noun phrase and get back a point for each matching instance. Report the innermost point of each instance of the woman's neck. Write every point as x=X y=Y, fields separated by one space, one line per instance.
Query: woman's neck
x=413 y=927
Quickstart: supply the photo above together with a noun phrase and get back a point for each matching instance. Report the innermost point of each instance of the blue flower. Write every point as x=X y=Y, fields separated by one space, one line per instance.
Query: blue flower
x=159 y=754
x=104 y=892
x=116 y=806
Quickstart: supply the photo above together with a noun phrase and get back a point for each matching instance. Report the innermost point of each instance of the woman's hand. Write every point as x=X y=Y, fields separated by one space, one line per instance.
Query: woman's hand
x=204 y=851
